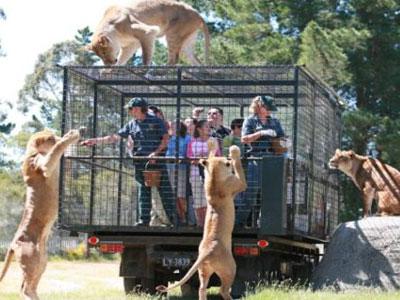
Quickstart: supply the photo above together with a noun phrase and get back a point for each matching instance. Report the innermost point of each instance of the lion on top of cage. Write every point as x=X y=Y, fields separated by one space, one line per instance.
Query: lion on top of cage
x=373 y=178
x=40 y=172
x=124 y=29
x=224 y=178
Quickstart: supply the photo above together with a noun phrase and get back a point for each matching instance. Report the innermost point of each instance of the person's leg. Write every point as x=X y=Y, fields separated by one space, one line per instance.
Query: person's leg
x=181 y=194
x=201 y=215
x=189 y=196
x=246 y=206
x=198 y=202
x=166 y=194
x=240 y=208
x=143 y=196
x=171 y=175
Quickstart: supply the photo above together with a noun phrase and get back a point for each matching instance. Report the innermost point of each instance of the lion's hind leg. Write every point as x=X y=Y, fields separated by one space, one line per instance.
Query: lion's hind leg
x=226 y=271
x=205 y=272
x=188 y=50
x=28 y=255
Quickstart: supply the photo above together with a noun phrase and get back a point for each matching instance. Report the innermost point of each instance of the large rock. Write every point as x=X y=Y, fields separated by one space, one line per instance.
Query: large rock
x=362 y=253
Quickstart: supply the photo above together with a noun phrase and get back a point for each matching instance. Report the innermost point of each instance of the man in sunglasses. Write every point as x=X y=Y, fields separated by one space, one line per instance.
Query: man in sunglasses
x=215 y=119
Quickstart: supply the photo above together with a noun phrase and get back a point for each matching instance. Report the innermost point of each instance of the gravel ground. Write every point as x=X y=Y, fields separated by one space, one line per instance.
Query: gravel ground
x=364 y=253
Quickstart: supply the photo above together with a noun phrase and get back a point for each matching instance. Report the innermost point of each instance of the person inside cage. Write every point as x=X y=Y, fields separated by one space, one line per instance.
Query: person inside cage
x=157 y=111
x=150 y=139
x=190 y=123
x=215 y=118
x=258 y=131
x=181 y=172
x=196 y=112
x=235 y=139
x=198 y=147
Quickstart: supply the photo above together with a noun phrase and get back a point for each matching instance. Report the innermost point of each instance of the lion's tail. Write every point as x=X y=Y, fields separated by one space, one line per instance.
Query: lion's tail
x=206 y=33
x=189 y=274
x=7 y=261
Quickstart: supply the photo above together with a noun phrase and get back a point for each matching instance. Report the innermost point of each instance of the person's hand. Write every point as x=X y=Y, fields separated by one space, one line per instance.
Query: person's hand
x=268 y=132
x=152 y=161
x=89 y=142
x=197 y=111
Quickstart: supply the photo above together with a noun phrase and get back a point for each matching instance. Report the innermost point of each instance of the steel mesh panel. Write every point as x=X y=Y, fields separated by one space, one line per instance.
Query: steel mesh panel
x=99 y=186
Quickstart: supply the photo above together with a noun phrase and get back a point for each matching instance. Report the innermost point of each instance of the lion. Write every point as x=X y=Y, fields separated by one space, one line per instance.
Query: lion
x=40 y=172
x=123 y=29
x=375 y=180
x=224 y=178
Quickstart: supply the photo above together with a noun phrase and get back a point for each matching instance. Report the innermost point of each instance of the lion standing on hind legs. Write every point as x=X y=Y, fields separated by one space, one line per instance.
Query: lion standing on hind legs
x=224 y=178
x=40 y=171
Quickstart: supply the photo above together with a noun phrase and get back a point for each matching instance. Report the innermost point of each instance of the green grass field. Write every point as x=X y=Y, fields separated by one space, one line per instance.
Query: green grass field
x=64 y=280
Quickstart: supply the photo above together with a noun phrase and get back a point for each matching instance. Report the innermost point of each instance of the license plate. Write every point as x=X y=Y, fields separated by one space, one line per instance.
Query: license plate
x=176 y=262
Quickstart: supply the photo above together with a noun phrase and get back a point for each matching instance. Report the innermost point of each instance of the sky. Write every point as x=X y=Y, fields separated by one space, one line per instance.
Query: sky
x=31 y=28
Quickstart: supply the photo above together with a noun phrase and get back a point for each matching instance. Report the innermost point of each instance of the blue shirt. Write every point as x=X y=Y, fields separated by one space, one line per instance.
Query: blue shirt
x=146 y=134
x=253 y=124
x=183 y=143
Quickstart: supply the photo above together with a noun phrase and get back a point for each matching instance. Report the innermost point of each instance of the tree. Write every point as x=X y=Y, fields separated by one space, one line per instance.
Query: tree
x=5 y=124
x=11 y=201
x=2 y=17
x=376 y=84
x=320 y=52
x=44 y=85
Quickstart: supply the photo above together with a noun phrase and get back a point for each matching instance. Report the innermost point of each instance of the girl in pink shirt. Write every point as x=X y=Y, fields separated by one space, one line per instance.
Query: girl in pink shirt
x=198 y=148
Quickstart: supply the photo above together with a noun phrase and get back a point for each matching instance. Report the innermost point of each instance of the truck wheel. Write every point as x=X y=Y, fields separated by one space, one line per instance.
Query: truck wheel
x=129 y=284
x=139 y=285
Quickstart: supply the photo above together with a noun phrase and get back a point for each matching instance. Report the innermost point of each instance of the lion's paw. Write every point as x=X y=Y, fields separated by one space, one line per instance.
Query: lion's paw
x=234 y=152
x=212 y=144
x=72 y=136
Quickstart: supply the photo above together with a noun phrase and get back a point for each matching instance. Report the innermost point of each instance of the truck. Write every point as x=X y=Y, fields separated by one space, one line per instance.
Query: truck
x=293 y=211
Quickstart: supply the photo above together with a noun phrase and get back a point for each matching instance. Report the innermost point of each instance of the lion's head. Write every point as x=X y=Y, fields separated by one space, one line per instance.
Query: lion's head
x=105 y=49
x=344 y=160
x=218 y=170
x=220 y=167
x=40 y=142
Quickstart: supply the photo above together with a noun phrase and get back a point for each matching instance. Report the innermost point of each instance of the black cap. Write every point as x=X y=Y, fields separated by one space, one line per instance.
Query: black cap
x=136 y=102
x=268 y=101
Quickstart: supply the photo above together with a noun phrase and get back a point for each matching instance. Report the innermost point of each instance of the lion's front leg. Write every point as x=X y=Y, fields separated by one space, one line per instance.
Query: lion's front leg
x=240 y=184
x=127 y=52
x=49 y=162
x=368 y=197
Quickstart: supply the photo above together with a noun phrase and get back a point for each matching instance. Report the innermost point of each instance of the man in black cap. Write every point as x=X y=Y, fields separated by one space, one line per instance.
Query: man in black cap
x=150 y=138
x=257 y=132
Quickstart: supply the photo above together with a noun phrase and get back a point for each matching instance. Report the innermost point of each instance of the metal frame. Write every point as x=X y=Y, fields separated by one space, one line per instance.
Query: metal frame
x=181 y=88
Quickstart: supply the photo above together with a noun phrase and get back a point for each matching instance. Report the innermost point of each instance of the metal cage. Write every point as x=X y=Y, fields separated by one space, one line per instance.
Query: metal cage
x=98 y=190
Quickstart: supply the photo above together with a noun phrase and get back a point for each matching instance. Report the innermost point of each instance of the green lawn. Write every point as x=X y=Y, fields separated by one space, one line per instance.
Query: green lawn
x=65 y=280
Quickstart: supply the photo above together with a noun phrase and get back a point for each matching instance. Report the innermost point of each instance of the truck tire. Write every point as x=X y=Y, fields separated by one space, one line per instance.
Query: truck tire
x=139 y=285
x=129 y=284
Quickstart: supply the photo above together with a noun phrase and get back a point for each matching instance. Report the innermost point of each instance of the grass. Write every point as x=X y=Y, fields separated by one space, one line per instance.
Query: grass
x=80 y=280
x=282 y=293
